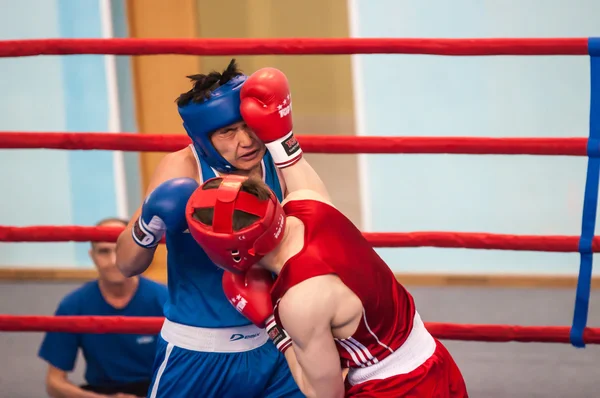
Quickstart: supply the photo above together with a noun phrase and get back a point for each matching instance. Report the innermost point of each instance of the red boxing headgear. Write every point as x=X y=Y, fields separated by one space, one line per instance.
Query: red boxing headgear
x=235 y=251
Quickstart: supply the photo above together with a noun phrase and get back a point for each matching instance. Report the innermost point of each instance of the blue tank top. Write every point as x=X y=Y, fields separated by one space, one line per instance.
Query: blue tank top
x=196 y=297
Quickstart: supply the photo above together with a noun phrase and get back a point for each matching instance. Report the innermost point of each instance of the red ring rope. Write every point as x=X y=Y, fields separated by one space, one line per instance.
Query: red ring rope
x=152 y=325
x=497 y=333
x=467 y=240
x=296 y=46
x=311 y=144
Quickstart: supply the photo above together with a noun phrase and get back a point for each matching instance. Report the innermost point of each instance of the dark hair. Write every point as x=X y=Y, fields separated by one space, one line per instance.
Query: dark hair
x=241 y=219
x=109 y=220
x=205 y=84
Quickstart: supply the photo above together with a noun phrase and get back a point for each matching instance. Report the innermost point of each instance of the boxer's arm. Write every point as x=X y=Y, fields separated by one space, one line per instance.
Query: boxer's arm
x=59 y=386
x=314 y=360
x=300 y=178
x=132 y=259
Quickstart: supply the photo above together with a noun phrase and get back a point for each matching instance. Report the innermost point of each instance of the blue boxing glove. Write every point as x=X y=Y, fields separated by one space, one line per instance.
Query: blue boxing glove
x=163 y=210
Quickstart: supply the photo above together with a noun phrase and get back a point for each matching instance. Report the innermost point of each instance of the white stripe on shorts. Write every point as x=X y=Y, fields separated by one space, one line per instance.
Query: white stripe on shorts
x=161 y=370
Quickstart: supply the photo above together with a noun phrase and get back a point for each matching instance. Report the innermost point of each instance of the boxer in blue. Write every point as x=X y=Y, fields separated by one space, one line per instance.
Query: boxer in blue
x=206 y=347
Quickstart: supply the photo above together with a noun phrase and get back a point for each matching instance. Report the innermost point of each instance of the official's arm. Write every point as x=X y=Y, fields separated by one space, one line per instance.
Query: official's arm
x=59 y=386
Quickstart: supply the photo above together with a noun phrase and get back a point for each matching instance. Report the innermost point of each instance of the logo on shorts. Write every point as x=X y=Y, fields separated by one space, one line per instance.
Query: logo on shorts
x=238 y=336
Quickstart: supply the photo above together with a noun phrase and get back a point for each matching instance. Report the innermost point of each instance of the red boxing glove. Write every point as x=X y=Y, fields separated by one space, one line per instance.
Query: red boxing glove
x=266 y=106
x=250 y=294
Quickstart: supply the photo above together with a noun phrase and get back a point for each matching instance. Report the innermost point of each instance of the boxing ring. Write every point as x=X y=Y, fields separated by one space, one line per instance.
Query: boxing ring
x=578 y=334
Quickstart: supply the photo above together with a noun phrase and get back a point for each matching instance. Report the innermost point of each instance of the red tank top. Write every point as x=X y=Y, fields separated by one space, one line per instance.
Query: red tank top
x=333 y=245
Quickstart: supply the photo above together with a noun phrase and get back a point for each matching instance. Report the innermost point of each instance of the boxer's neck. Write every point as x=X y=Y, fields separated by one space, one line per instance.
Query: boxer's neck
x=255 y=172
x=290 y=245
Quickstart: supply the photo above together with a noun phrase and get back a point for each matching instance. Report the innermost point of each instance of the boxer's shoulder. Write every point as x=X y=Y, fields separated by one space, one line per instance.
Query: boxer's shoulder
x=177 y=164
x=182 y=161
x=306 y=194
x=309 y=299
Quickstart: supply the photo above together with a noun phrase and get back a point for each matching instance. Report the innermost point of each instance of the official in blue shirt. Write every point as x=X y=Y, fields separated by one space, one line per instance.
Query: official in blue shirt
x=115 y=363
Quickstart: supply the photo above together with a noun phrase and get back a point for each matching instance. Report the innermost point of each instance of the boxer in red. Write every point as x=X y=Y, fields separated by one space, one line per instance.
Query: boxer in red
x=334 y=296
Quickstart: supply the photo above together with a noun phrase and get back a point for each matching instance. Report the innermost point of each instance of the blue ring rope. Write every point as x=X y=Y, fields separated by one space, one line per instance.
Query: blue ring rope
x=590 y=202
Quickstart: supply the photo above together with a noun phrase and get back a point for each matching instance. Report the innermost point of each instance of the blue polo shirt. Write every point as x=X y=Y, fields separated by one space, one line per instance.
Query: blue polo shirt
x=110 y=358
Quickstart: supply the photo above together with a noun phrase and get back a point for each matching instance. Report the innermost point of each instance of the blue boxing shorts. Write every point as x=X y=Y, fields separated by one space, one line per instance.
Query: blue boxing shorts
x=228 y=362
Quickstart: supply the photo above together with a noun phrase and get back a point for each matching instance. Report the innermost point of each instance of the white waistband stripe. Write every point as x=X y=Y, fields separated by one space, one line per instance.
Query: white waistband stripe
x=236 y=339
x=416 y=350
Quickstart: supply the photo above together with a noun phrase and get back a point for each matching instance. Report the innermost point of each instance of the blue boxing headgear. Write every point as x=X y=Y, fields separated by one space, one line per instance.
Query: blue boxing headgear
x=200 y=119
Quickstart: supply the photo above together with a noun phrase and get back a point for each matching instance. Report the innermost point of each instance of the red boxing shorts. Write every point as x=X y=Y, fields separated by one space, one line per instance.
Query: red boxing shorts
x=437 y=377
